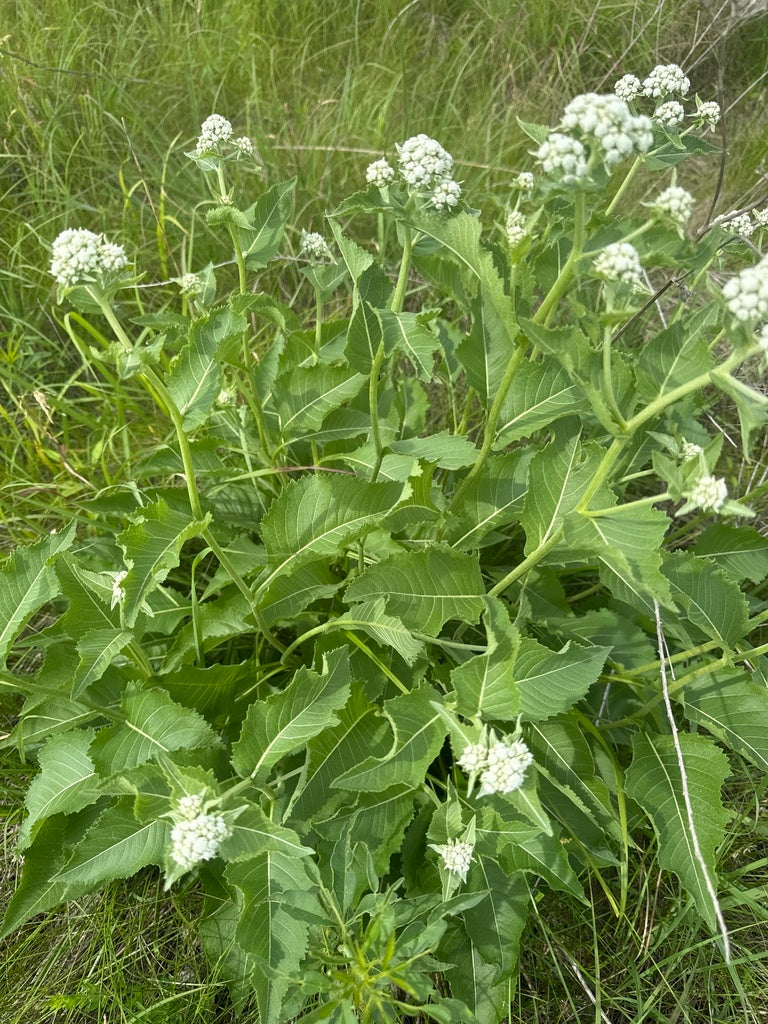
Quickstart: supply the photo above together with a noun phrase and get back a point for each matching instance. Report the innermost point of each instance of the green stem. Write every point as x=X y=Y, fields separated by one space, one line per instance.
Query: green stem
x=555 y=293
x=610 y=396
x=405 y=266
x=527 y=563
x=616 y=510
x=318 y=323
x=624 y=185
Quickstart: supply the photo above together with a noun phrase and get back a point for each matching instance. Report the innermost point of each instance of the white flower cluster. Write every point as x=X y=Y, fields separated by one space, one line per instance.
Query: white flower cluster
x=314 y=246
x=190 y=284
x=666 y=80
x=562 y=155
x=503 y=765
x=197 y=836
x=762 y=339
x=709 y=114
x=244 y=145
x=524 y=181
x=761 y=217
x=690 y=450
x=79 y=255
x=676 y=203
x=618 y=132
x=628 y=88
x=709 y=494
x=457 y=857
x=747 y=293
x=670 y=114
x=213 y=131
x=189 y=807
x=423 y=161
x=379 y=173
x=742 y=225
x=515 y=227
x=446 y=194
x=619 y=262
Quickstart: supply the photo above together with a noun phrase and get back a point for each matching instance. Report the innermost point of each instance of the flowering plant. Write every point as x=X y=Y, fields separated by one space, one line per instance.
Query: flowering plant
x=450 y=595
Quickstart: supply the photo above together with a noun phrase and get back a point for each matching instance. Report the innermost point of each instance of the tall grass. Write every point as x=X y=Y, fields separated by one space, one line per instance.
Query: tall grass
x=99 y=102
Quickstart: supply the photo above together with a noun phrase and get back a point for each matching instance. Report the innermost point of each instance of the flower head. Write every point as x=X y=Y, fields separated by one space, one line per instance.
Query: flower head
x=666 y=80
x=505 y=771
x=213 y=131
x=619 y=262
x=189 y=807
x=761 y=217
x=609 y=125
x=197 y=838
x=628 y=88
x=709 y=114
x=670 y=114
x=676 y=203
x=747 y=293
x=118 y=590
x=564 y=156
x=741 y=224
x=379 y=173
x=314 y=246
x=515 y=227
x=457 y=856
x=80 y=256
x=709 y=494
x=446 y=194
x=423 y=161
x=690 y=450
x=244 y=145
x=474 y=757
x=524 y=181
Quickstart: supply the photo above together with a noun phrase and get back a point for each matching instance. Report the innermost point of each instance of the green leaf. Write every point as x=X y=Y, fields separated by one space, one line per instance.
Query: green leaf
x=229 y=962
x=267 y=217
x=495 y=925
x=654 y=781
x=253 y=833
x=734 y=708
x=419 y=732
x=276 y=892
x=90 y=597
x=485 y=685
x=472 y=979
x=97 y=649
x=153 y=725
x=386 y=629
x=541 y=393
x=558 y=477
x=285 y=721
x=194 y=379
x=713 y=602
x=740 y=551
x=152 y=546
x=751 y=405
x=544 y=856
x=424 y=588
x=116 y=846
x=27 y=582
x=406 y=333
x=39 y=888
x=672 y=357
x=316 y=518
x=553 y=681
x=66 y=782
x=449 y=451
x=290 y=595
x=364 y=336
x=495 y=498
x=378 y=819
x=361 y=729
x=210 y=691
x=306 y=394
x=485 y=351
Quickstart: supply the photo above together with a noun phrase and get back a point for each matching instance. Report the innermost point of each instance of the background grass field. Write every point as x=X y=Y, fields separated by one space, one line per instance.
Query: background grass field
x=98 y=102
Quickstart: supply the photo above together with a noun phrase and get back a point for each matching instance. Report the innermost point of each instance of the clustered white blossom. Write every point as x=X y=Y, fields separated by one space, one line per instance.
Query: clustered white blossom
x=244 y=145
x=628 y=88
x=666 y=80
x=379 y=173
x=197 y=836
x=423 y=161
x=314 y=246
x=563 y=155
x=79 y=256
x=524 y=181
x=446 y=194
x=457 y=856
x=190 y=284
x=225 y=398
x=746 y=294
x=503 y=765
x=670 y=114
x=691 y=450
x=676 y=203
x=619 y=262
x=189 y=807
x=741 y=224
x=709 y=494
x=709 y=114
x=761 y=217
x=608 y=120
x=213 y=131
x=515 y=228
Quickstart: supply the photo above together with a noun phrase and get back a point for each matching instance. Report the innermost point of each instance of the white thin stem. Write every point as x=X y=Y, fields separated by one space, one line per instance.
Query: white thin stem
x=684 y=784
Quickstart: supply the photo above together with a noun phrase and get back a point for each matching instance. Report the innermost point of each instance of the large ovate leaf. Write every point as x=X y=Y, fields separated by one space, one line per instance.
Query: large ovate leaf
x=418 y=730
x=655 y=781
x=495 y=925
x=27 y=582
x=306 y=394
x=371 y=617
x=493 y=499
x=425 y=588
x=541 y=393
x=673 y=357
x=485 y=351
x=713 y=602
x=485 y=684
x=97 y=649
x=406 y=333
x=154 y=725
x=734 y=708
x=740 y=550
x=553 y=681
x=315 y=517
x=285 y=721
x=472 y=978
x=253 y=833
x=152 y=546
x=449 y=451
x=267 y=219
